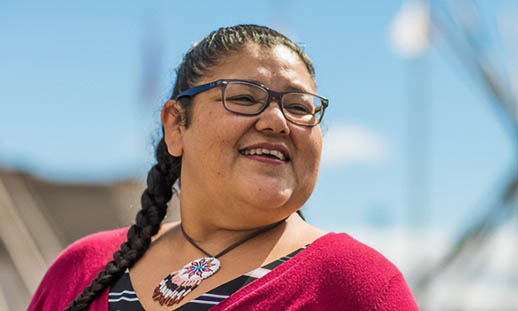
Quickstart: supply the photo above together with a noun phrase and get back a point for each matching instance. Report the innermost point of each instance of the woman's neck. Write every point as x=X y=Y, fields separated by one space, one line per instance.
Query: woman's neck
x=214 y=238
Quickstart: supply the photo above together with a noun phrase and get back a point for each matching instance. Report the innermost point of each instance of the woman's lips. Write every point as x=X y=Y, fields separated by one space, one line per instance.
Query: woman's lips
x=266 y=159
x=266 y=151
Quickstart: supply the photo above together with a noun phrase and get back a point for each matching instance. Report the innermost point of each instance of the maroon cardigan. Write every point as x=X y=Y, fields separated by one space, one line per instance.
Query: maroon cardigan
x=335 y=272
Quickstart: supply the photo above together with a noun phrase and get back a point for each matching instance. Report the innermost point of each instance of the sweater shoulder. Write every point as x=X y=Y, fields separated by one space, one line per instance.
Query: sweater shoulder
x=89 y=253
x=352 y=256
x=75 y=268
x=96 y=247
x=357 y=269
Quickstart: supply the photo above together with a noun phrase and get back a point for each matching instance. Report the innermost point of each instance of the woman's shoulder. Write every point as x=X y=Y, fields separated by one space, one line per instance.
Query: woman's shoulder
x=357 y=268
x=342 y=247
x=91 y=251
x=75 y=268
x=334 y=270
x=96 y=245
x=349 y=256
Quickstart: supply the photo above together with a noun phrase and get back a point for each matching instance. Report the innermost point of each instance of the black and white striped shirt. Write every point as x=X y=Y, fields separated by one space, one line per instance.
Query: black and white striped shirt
x=122 y=296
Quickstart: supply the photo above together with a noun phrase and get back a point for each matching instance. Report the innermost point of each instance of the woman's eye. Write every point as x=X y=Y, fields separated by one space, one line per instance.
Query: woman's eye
x=242 y=100
x=298 y=109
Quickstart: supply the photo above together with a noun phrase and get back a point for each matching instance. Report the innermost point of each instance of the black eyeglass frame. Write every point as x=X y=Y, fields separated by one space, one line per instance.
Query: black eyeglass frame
x=271 y=95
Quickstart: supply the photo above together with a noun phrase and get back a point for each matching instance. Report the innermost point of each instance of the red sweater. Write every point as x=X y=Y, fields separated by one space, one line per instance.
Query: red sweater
x=335 y=272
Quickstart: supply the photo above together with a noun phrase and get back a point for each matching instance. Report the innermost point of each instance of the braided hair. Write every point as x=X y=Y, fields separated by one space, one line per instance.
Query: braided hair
x=198 y=60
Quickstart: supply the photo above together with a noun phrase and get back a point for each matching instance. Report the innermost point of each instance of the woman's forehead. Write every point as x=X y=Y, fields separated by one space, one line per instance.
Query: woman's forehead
x=270 y=66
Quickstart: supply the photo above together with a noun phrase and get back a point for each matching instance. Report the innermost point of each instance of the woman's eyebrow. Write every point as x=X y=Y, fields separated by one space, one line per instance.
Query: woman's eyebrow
x=289 y=88
x=298 y=89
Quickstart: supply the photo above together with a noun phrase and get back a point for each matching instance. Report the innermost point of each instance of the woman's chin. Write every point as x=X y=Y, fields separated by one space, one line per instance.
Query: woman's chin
x=279 y=197
x=270 y=200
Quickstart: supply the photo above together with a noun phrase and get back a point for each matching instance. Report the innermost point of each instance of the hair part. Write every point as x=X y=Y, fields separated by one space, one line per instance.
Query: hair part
x=198 y=61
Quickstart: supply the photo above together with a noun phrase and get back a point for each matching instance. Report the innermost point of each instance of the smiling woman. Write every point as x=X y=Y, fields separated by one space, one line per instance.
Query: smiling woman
x=241 y=134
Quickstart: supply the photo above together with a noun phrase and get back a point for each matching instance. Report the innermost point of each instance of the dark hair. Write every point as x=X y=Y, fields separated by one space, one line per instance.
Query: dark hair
x=200 y=58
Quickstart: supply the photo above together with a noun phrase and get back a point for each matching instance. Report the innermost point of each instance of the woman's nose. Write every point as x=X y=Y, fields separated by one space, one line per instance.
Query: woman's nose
x=272 y=120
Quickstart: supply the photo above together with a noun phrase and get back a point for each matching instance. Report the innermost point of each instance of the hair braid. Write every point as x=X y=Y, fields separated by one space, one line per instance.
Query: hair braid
x=154 y=200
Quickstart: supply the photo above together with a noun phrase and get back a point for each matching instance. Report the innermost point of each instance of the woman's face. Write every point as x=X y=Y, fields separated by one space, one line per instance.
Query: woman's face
x=220 y=177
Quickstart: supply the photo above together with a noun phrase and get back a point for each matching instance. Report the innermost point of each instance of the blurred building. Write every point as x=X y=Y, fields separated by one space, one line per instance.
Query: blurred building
x=39 y=218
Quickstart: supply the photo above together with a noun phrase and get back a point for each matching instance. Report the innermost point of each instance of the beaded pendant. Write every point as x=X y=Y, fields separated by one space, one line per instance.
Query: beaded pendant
x=178 y=284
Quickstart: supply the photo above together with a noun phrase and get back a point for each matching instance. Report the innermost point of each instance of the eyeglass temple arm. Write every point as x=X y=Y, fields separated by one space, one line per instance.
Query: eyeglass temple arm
x=197 y=89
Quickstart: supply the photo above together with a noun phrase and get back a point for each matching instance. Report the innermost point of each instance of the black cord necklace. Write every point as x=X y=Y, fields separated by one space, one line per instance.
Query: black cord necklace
x=178 y=284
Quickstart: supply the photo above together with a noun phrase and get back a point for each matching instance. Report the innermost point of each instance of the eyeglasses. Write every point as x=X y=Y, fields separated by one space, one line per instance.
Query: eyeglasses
x=250 y=99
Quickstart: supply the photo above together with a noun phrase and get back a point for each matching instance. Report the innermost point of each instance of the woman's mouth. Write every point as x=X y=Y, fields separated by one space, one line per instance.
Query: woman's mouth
x=264 y=152
x=267 y=152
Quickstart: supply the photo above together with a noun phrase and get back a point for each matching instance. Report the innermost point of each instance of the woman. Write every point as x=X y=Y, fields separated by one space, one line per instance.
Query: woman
x=241 y=135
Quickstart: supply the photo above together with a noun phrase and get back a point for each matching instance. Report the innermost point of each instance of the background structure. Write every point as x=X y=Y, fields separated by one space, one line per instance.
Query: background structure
x=420 y=149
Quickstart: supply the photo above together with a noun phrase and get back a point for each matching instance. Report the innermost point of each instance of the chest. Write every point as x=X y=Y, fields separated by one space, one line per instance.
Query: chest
x=123 y=295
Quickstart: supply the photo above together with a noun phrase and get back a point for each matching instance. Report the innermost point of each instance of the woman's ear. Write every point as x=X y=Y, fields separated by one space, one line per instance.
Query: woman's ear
x=172 y=116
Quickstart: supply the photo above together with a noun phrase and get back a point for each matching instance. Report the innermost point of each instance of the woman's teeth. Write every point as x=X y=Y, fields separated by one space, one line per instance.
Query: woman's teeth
x=261 y=151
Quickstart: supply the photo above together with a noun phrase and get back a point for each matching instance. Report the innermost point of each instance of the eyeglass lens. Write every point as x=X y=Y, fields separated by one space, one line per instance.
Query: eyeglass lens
x=245 y=98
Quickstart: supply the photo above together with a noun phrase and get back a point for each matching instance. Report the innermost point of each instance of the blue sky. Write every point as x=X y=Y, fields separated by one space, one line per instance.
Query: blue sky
x=71 y=104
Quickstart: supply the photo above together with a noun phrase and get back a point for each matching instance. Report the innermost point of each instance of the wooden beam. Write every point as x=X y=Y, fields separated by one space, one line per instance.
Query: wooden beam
x=19 y=243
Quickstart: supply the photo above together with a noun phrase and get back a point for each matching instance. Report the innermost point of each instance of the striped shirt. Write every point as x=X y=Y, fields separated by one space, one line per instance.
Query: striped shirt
x=122 y=296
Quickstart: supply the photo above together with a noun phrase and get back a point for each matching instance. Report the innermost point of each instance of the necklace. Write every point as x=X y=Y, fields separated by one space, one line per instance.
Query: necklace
x=178 y=284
